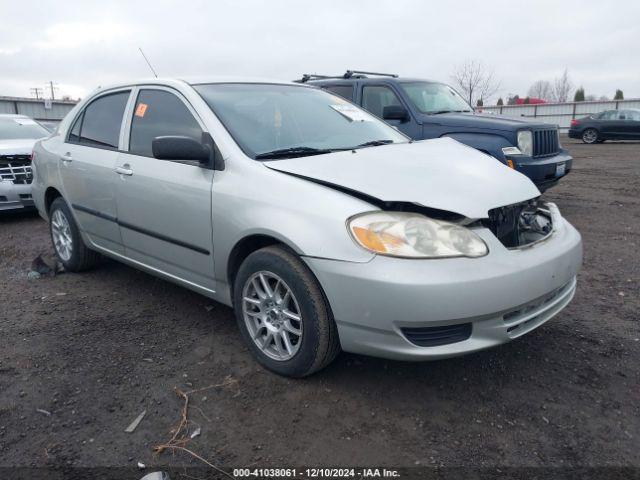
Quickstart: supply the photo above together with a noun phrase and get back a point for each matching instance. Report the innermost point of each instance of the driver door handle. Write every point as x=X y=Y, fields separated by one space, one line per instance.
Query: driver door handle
x=124 y=170
x=66 y=158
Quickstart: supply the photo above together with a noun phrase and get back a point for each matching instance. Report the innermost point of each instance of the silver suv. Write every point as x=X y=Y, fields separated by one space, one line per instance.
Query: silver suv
x=18 y=134
x=322 y=226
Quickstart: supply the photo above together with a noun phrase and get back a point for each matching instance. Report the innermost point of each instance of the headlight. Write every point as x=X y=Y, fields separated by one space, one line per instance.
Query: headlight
x=401 y=234
x=525 y=142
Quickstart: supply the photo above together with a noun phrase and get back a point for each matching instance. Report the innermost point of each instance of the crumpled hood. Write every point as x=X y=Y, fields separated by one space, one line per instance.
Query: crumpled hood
x=21 y=146
x=440 y=173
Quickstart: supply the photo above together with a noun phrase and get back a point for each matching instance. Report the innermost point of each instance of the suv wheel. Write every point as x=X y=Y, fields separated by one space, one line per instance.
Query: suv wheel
x=283 y=315
x=66 y=239
x=590 y=135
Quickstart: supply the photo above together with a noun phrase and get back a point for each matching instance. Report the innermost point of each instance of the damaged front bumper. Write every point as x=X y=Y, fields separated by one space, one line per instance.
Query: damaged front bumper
x=428 y=309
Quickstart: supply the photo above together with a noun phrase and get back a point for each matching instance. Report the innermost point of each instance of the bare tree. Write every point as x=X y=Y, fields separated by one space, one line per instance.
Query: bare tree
x=562 y=87
x=541 y=89
x=475 y=81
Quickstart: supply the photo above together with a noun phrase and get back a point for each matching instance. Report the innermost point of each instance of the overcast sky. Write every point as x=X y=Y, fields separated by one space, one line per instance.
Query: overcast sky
x=82 y=44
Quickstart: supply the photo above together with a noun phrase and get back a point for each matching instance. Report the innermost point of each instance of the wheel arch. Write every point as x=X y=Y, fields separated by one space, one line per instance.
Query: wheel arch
x=50 y=194
x=245 y=247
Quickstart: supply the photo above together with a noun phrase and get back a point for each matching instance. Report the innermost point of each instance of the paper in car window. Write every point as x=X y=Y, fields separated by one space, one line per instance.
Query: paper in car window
x=352 y=113
x=24 y=121
x=141 y=109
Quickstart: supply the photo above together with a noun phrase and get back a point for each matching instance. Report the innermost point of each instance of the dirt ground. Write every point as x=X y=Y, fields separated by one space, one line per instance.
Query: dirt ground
x=96 y=349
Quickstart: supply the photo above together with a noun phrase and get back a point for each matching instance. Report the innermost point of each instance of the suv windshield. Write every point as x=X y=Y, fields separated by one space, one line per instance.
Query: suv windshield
x=21 y=128
x=431 y=97
x=276 y=121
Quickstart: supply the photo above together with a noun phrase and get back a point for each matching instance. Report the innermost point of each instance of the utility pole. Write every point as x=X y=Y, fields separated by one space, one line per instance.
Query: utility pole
x=53 y=88
x=35 y=91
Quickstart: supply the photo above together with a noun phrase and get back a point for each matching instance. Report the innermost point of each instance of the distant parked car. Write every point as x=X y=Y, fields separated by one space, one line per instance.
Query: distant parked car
x=424 y=109
x=18 y=134
x=607 y=125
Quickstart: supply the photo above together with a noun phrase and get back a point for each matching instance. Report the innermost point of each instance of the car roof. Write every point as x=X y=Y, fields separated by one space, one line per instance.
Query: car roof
x=13 y=115
x=197 y=80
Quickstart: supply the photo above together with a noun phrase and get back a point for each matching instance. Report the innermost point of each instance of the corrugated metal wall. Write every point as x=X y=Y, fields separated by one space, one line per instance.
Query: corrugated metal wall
x=561 y=113
x=36 y=108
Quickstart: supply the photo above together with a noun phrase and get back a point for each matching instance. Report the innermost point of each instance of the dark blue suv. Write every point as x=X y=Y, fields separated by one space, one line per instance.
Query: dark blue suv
x=425 y=109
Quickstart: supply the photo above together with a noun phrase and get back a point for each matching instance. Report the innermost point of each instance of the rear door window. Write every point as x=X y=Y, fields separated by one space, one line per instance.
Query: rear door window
x=345 y=91
x=101 y=122
x=158 y=113
x=608 y=115
x=375 y=98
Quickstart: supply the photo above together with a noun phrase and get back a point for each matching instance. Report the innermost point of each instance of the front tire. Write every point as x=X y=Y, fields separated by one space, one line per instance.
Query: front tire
x=67 y=241
x=283 y=315
x=590 y=136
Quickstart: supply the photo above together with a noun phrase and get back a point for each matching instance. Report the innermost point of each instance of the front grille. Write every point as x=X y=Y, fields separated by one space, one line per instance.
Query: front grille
x=545 y=142
x=16 y=169
x=437 y=336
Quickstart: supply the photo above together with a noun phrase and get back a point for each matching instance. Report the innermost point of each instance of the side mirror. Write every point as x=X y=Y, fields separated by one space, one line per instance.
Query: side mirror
x=395 y=112
x=178 y=147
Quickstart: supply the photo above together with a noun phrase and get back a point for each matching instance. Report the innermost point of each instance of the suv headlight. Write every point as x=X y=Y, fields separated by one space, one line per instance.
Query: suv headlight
x=410 y=235
x=525 y=142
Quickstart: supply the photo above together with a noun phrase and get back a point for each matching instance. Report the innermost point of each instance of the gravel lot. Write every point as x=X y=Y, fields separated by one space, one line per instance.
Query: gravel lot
x=96 y=349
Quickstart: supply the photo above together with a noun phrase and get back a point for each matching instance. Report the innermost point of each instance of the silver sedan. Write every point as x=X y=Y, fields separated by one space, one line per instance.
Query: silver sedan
x=323 y=227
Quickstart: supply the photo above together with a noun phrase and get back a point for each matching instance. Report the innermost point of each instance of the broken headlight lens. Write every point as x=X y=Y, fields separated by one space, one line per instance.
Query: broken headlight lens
x=409 y=235
x=525 y=142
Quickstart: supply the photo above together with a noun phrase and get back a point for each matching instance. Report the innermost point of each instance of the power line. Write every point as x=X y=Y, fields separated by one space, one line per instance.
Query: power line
x=53 y=87
x=36 y=92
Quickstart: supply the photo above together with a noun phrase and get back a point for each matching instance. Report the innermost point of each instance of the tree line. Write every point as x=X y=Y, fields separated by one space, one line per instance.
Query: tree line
x=478 y=84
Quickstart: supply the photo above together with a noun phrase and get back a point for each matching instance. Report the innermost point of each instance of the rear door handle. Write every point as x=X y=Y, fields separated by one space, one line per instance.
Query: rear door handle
x=124 y=170
x=66 y=158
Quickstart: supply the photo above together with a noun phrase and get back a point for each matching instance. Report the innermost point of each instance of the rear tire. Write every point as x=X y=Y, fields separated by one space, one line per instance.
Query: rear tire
x=266 y=313
x=590 y=136
x=66 y=239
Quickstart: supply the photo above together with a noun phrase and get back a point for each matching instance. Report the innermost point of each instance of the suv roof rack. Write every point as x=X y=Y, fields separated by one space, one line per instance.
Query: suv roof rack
x=348 y=74
x=312 y=76
x=363 y=74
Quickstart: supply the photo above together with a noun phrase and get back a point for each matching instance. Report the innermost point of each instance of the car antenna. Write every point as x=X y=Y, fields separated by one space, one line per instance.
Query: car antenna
x=148 y=62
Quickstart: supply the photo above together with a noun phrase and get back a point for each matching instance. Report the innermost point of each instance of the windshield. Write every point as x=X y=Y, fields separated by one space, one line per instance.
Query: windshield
x=21 y=128
x=431 y=97
x=266 y=120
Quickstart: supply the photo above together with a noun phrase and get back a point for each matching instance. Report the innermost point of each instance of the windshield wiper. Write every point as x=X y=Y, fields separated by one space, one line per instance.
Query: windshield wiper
x=374 y=143
x=437 y=112
x=292 y=152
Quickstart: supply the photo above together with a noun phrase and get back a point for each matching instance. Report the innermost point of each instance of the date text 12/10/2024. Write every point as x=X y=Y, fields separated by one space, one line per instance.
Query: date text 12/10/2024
x=315 y=473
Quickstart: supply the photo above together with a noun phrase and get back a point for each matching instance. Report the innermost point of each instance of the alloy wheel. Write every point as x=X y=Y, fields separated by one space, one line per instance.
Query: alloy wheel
x=61 y=234
x=590 y=136
x=272 y=315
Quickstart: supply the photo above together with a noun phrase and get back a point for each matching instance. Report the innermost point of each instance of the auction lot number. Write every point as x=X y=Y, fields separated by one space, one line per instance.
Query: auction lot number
x=314 y=473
